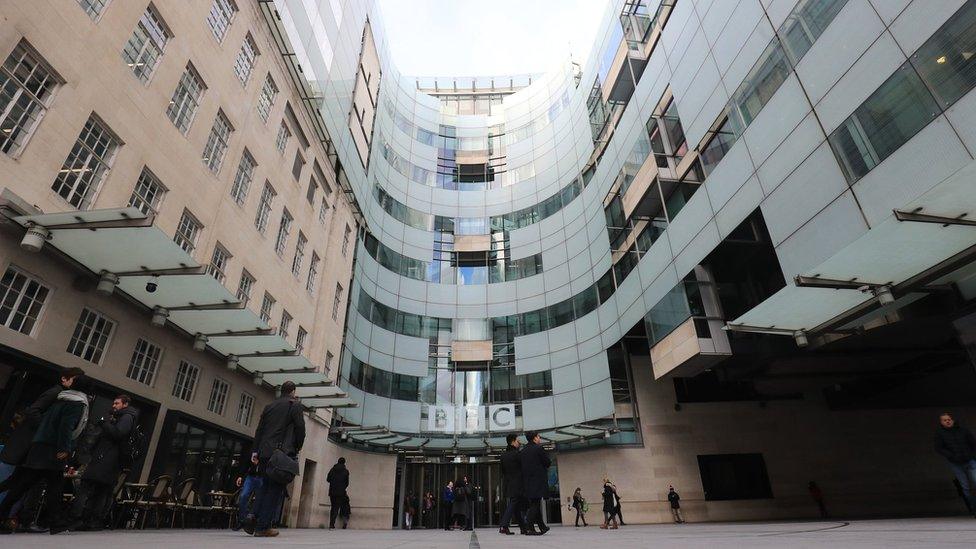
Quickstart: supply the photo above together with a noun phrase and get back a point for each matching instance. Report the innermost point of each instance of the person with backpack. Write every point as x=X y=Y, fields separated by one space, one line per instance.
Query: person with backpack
x=277 y=442
x=113 y=452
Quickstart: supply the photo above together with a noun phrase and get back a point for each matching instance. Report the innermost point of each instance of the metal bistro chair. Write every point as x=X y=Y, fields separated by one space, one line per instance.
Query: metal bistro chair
x=155 y=499
x=120 y=503
x=181 y=501
x=226 y=505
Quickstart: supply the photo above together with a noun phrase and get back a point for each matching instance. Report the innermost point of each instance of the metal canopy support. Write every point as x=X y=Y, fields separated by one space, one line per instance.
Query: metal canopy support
x=928 y=218
x=243 y=333
x=165 y=272
x=852 y=284
x=209 y=307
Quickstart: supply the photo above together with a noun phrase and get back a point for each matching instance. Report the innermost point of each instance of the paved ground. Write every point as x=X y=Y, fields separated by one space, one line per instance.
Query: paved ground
x=887 y=534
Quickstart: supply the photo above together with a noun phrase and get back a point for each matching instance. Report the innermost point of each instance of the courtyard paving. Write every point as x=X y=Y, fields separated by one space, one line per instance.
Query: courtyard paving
x=887 y=534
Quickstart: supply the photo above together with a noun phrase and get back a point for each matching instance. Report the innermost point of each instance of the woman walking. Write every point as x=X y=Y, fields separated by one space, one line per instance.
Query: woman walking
x=609 y=506
x=448 y=498
x=580 y=505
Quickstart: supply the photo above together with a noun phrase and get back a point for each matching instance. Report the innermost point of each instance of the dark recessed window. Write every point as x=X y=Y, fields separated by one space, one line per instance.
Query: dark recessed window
x=734 y=476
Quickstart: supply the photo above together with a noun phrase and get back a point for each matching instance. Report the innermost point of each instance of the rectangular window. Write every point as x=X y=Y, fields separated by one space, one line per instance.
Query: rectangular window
x=283 y=134
x=245 y=59
x=323 y=210
x=300 y=340
x=336 y=302
x=21 y=299
x=267 y=306
x=310 y=192
x=264 y=207
x=221 y=14
x=296 y=168
x=245 y=409
x=216 y=147
x=186 y=381
x=734 y=476
x=720 y=143
x=186 y=98
x=148 y=193
x=243 y=178
x=328 y=363
x=284 y=227
x=313 y=271
x=218 y=263
x=187 y=232
x=345 y=240
x=90 y=336
x=27 y=85
x=86 y=165
x=145 y=47
x=806 y=23
x=267 y=98
x=945 y=61
x=218 y=396
x=244 y=287
x=759 y=86
x=284 y=325
x=144 y=362
x=93 y=7
x=296 y=262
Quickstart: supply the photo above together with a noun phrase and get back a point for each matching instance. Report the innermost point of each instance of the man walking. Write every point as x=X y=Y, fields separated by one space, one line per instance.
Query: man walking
x=100 y=475
x=512 y=478
x=338 y=480
x=249 y=482
x=958 y=446
x=281 y=427
x=535 y=482
x=675 y=500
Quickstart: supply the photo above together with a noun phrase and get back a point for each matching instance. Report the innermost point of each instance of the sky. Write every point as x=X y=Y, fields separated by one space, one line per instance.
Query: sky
x=488 y=37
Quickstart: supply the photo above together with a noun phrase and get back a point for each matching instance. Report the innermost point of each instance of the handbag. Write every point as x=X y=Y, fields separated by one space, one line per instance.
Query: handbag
x=282 y=468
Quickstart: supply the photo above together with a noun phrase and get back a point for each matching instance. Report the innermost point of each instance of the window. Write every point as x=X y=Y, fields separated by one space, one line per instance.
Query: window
x=323 y=210
x=310 y=192
x=186 y=381
x=148 y=193
x=264 y=207
x=266 y=308
x=284 y=226
x=337 y=300
x=267 y=98
x=22 y=300
x=245 y=59
x=145 y=47
x=296 y=262
x=734 y=476
x=213 y=151
x=284 y=325
x=313 y=271
x=90 y=336
x=945 y=61
x=93 y=7
x=27 y=85
x=674 y=131
x=300 y=340
x=218 y=396
x=243 y=178
x=283 y=134
x=717 y=146
x=144 y=362
x=218 y=263
x=86 y=165
x=345 y=240
x=244 y=287
x=328 y=363
x=759 y=86
x=187 y=232
x=245 y=409
x=806 y=23
x=186 y=98
x=221 y=14
x=296 y=168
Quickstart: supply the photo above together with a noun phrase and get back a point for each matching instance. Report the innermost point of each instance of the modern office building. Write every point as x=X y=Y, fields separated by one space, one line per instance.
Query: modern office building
x=731 y=252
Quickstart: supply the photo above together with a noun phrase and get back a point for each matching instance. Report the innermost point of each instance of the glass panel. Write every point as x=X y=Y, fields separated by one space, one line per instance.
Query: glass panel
x=946 y=61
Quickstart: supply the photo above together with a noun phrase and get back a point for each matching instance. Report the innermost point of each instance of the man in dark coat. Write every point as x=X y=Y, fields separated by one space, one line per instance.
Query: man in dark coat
x=535 y=481
x=512 y=477
x=100 y=475
x=958 y=446
x=281 y=426
x=49 y=451
x=675 y=500
x=249 y=481
x=338 y=479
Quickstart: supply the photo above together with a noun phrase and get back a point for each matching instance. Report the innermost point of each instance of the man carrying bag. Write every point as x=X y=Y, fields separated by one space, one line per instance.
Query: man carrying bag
x=277 y=441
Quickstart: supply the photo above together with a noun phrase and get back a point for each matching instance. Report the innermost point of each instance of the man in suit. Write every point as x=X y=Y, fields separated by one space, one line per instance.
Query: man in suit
x=512 y=476
x=535 y=482
x=281 y=426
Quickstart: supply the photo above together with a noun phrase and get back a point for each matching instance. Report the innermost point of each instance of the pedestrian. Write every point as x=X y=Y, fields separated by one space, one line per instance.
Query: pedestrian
x=249 y=481
x=511 y=467
x=616 y=509
x=447 y=496
x=338 y=479
x=427 y=510
x=460 y=507
x=51 y=446
x=409 y=510
x=471 y=496
x=92 y=501
x=609 y=506
x=535 y=481
x=675 y=500
x=958 y=446
x=817 y=494
x=578 y=504
x=281 y=427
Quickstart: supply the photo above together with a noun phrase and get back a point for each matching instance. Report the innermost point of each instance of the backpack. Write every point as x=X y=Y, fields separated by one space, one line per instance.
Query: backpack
x=133 y=447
